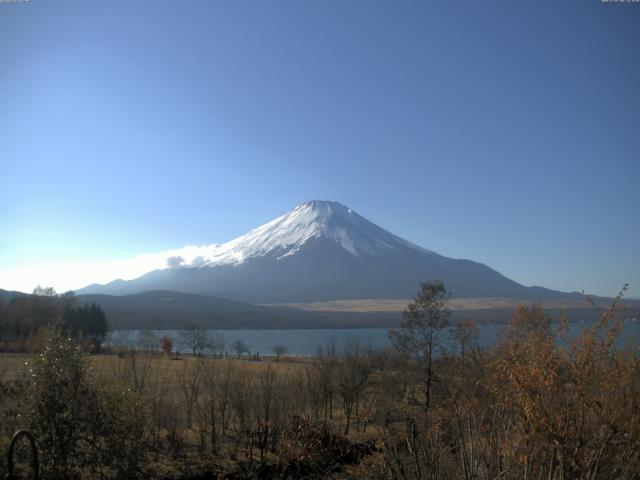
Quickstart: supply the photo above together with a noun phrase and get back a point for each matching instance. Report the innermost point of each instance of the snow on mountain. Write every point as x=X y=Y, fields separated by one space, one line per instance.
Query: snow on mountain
x=285 y=235
x=318 y=251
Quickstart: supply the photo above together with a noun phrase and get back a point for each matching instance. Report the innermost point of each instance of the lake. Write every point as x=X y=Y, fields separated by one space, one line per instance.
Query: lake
x=306 y=342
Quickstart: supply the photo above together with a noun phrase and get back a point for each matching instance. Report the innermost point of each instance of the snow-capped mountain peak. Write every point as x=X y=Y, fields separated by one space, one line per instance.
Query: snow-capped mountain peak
x=286 y=234
x=317 y=251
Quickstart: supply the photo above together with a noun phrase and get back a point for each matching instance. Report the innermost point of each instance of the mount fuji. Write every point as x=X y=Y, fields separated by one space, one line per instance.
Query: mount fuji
x=318 y=251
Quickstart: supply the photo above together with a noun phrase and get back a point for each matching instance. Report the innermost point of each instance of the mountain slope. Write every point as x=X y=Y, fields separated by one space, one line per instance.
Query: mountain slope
x=318 y=251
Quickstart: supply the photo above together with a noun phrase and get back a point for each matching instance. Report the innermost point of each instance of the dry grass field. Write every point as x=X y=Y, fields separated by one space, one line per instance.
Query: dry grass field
x=398 y=305
x=14 y=366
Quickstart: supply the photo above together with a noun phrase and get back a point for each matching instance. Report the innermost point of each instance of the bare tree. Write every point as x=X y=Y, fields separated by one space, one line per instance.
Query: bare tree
x=191 y=380
x=240 y=347
x=216 y=344
x=418 y=335
x=325 y=367
x=139 y=354
x=147 y=341
x=310 y=390
x=196 y=339
x=44 y=291
x=266 y=407
x=466 y=336
x=280 y=350
x=162 y=409
x=413 y=451
x=212 y=389
x=121 y=341
x=353 y=374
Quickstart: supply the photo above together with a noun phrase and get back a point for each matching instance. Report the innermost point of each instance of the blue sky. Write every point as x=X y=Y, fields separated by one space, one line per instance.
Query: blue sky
x=505 y=132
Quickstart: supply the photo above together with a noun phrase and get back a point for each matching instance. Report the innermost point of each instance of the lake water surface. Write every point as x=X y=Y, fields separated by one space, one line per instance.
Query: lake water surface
x=306 y=342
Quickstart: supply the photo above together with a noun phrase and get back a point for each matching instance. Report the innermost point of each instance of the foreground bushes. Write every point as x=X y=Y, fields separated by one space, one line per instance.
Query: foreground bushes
x=537 y=405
